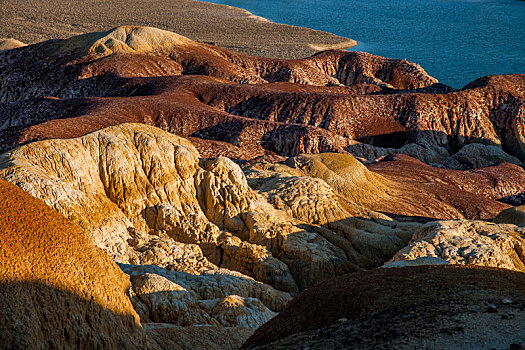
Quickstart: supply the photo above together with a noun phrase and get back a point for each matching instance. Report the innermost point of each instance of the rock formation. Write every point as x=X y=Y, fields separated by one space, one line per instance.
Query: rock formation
x=146 y=197
x=98 y=64
x=224 y=184
x=397 y=185
x=56 y=289
x=382 y=106
x=411 y=307
x=161 y=300
x=449 y=194
x=466 y=243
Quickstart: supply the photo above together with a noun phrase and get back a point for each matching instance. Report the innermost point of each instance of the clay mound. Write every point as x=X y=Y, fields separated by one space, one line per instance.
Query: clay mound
x=10 y=43
x=345 y=174
x=56 y=289
x=414 y=307
x=124 y=39
x=407 y=189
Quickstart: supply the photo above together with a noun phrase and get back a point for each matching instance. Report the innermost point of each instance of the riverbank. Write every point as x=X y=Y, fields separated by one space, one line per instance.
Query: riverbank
x=222 y=25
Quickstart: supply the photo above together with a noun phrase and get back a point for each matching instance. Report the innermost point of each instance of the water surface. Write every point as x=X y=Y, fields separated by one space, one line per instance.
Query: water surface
x=456 y=41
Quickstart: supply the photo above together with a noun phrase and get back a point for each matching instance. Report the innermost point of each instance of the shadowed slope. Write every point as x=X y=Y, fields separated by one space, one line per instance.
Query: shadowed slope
x=56 y=289
x=405 y=307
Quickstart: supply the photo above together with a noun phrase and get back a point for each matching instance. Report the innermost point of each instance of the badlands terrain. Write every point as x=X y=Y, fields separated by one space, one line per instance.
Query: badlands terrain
x=164 y=193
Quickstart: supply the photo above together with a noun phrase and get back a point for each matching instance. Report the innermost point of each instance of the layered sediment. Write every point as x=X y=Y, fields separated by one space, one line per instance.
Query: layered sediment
x=225 y=184
x=57 y=290
x=380 y=106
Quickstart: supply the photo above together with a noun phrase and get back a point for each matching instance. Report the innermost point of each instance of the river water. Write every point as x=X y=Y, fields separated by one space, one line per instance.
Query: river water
x=456 y=41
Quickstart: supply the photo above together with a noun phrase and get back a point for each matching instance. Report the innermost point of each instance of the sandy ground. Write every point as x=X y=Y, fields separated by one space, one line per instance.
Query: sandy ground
x=237 y=29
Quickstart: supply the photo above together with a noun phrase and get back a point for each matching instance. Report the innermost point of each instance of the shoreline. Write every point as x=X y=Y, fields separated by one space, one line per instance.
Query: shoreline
x=347 y=44
x=250 y=15
x=226 y=26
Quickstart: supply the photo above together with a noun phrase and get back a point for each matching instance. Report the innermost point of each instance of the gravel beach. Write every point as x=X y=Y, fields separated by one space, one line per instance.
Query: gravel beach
x=233 y=28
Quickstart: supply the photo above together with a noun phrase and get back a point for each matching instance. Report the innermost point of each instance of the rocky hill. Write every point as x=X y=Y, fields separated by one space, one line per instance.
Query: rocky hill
x=380 y=106
x=223 y=185
x=206 y=242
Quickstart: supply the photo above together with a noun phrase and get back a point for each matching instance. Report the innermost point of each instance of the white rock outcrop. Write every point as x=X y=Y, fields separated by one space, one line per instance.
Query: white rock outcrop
x=466 y=243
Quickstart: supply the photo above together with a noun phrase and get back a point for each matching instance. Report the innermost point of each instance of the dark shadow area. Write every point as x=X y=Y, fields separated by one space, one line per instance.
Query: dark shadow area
x=392 y=140
x=409 y=218
x=287 y=140
x=291 y=140
x=225 y=132
x=112 y=85
x=205 y=337
x=193 y=67
x=436 y=88
x=514 y=200
x=427 y=139
x=34 y=315
x=41 y=109
x=381 y=307
x=255 y=107
x=277 y=73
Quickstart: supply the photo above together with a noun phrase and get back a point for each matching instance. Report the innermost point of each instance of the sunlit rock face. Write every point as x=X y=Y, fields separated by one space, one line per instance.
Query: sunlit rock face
x=147 y=198
x=466 y=243
x=56 y=289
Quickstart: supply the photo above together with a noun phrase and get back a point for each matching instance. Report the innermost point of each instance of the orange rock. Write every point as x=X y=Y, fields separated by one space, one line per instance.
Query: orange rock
x=56 y=289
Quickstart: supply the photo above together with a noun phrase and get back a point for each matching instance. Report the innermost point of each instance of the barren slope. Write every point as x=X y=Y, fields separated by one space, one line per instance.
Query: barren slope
x=375 y=148
x=415 y=307
x=56 y=288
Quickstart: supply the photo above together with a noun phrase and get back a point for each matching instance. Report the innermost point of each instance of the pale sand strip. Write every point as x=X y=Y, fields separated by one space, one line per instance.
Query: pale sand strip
x=237 y=29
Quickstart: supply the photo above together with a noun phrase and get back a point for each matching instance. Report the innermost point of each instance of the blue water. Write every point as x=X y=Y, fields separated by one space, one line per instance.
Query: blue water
x=456 y=41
